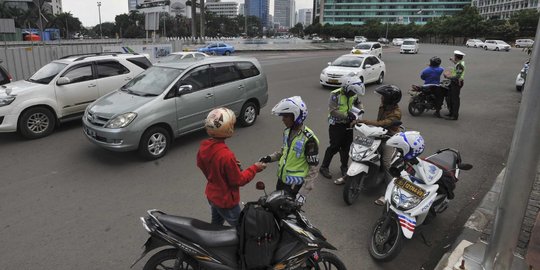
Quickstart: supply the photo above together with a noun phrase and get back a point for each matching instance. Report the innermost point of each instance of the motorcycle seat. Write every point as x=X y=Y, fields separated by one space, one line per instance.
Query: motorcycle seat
x=200 y=232
x=446 y=160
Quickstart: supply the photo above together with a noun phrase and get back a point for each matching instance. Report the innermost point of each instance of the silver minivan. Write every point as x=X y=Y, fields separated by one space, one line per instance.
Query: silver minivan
x=172 y=99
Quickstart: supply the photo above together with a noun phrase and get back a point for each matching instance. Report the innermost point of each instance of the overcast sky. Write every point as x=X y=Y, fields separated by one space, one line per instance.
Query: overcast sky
x=87 y=10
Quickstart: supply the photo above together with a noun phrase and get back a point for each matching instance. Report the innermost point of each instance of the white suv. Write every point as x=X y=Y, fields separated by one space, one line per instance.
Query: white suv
x=373 y=48
x=61 y=90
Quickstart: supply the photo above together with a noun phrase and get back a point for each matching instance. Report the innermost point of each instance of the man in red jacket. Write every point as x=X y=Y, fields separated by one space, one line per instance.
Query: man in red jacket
x=222 y=169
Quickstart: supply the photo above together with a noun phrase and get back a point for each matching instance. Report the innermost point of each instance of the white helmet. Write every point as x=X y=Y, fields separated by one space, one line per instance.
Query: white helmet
x=293 y=105
x=410 y=143
x=354 y=84
x=220 y=123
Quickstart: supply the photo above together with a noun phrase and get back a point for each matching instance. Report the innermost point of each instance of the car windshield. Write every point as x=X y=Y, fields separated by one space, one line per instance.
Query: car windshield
x=45 y=74
x=152 y=82
x=410 y=42
x=501 y=42
x=363 y=46
x=348 y=61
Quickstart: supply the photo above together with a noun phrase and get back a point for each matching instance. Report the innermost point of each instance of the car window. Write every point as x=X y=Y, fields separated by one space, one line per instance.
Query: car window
x=45 y=74
x=141 y=62
x=212 y=46
x=79 y=74
x=198 y=55
x=152 y=81
x=224 y=73
x=409 y=42
x=198 y=78
x=376 y=46
x=110 y=68
x=222 y=45
x=363 y=46
x=187 y=56
x=348 y=61
x=374 y=60
x=247 y=69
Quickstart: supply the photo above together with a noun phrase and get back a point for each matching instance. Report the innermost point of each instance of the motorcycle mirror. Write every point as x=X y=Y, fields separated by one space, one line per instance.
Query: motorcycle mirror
x=394 y=172
x=260 y=185
x=465 y=166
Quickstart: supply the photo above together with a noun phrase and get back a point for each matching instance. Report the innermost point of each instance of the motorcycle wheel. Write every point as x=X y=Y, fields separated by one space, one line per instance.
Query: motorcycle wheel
x=414 y=109
x=327 y=261
x=385 y=246
x=168 y=259
x=352 y=188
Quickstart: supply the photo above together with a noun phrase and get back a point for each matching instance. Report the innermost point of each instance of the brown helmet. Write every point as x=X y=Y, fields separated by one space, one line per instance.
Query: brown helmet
x=220 y=123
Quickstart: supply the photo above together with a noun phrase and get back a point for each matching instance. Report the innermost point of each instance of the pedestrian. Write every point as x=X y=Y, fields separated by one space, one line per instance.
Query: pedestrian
x=342 y=105
x=432 y=79
x=221 y=168
x=299 y=154
x=388 y=117
x=456 y=76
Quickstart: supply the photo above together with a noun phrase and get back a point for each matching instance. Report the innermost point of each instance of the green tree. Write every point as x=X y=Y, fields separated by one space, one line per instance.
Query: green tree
x=67 y=24
x=130 y=25
x=527 y=20
x=297 y=30
x=108 y=29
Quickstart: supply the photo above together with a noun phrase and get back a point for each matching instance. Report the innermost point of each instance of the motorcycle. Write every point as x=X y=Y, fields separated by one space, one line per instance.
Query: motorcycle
x=194 y=244
x=423 y=97
x=421 y=189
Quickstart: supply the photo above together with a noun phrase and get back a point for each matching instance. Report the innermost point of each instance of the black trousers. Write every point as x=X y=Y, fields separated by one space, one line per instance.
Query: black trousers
x=453 y=100
x=439 y=94
x=340 y=141
x=288 y=188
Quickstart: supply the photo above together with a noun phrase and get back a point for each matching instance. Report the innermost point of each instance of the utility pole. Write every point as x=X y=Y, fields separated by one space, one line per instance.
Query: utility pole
x=193 y=18
x=99 y=12
x=245 y=16
x=203 y=22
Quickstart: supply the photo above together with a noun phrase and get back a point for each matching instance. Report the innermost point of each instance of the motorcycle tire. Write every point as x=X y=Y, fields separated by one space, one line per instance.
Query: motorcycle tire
x=353 y=187
x=392 y=246
x=414 y=109
x=169 y=259
x=326 y=261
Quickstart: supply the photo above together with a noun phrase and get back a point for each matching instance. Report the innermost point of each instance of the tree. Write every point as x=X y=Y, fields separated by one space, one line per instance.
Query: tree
x=527 y=20
x=297 y=30
x=130 y=25
x=108 y=29
x=67 y=24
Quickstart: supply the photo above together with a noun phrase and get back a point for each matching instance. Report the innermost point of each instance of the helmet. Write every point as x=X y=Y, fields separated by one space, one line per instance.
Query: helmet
x=220 y=123
x=391 y=94
x=435 y=61
x=355 y=85
x=293 y=105
x=409 y=143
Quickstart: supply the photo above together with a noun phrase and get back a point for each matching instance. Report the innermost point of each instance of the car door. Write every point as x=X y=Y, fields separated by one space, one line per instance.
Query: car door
x=377 y=67
x=369 y=70
x=228 y=85
x=192 y=107
x=222 y=48
x=81 y=90
x=111 y=75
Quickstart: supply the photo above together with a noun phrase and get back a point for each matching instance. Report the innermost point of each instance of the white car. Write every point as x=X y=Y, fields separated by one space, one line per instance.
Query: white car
x=373 y=48
x=317 y=39
x=524 y=43
x=409 y=46
x=397 y=41
x=368 y=68
x=360 y=39
x=177 y=56
x=496 y=45
x=476 y=43
x=61 y=90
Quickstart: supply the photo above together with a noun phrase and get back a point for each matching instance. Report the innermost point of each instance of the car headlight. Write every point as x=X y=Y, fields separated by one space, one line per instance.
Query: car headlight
x=323 y=72
x=121 y=120
x=4 y=101
x=404 y=200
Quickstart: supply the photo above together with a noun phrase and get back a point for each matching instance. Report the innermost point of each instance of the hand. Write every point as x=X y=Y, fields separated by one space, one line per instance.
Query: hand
x=351 y=116
x=266 y=159
x=301 y=199
x=260 y=166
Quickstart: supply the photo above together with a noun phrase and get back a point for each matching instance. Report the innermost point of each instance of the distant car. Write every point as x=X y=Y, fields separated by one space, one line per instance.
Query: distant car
x=218 y=48
x=476 y=43
x=317 y=39
x=522 y=75
x=397 y=41
x=524 y=43
x=496 y=45
x=368 y=68
x=333 y=39
x=360 y=39
x=177 y=56
x=383 y=40
x=409 y=46
x=373 y=48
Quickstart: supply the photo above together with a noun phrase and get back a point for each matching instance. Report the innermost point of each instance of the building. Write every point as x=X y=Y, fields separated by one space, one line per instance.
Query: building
x=132 y=5
x=305 y=16
x=260 y=9
x=227 y=9
x=284 y=12
x=49 y=6
x=356 y=12
x=503 y=9
x=56 y=6
x=241 y=9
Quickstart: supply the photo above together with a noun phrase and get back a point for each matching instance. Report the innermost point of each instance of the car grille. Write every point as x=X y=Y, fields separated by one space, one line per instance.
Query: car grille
x=96 y=120
x=334 y=75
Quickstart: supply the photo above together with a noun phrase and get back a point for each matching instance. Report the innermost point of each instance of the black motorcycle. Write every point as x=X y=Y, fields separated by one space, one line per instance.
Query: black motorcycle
x=423 y=97
x=194 y=244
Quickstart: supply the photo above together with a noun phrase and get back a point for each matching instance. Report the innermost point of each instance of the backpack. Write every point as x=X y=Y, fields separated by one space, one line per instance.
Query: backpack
x=259 y=237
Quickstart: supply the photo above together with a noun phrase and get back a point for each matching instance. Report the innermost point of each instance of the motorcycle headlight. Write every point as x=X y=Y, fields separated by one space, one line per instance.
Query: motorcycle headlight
x=357 y=152
x=404 y=200
x=121 y=120
x=4 y=101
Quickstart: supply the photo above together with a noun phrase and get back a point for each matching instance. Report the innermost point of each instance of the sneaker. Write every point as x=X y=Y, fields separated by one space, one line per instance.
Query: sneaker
x=325 y=172
x=340 y=181
x=344 y=171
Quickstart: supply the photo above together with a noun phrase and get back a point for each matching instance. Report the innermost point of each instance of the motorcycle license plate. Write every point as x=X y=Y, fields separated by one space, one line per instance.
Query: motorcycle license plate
x=364 y=141
x=410 y=187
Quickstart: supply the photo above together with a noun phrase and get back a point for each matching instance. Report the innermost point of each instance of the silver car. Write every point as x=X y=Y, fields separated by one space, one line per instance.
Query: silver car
x=172 y=99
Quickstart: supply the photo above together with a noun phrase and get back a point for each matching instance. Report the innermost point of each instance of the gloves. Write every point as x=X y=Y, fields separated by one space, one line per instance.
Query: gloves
x=300 y=199
x=265 y=159
x=351 y=116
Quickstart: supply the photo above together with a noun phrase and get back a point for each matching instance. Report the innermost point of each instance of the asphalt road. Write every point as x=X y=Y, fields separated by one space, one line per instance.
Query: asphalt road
x=67 y=204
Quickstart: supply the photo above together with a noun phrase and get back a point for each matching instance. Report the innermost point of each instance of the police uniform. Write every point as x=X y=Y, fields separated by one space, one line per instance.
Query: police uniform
x=456 y=83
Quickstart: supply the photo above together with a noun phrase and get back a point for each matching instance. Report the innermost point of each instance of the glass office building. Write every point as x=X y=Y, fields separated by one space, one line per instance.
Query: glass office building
x=260 y=9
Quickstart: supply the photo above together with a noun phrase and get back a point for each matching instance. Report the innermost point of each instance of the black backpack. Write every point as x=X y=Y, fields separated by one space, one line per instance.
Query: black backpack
x=259 y=237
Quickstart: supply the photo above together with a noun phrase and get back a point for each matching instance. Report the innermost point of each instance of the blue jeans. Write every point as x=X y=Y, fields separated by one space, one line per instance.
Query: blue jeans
x=220 y=215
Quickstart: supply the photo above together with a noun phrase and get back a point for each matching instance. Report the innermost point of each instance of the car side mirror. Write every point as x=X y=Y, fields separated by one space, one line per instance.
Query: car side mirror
x=63 y=80
x=329 y=63
x=367 y=66
x=184 y=89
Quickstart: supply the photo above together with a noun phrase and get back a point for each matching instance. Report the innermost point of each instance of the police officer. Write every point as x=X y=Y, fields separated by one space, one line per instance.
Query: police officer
x=299 y=154
x=456 y=76
x=343 y=102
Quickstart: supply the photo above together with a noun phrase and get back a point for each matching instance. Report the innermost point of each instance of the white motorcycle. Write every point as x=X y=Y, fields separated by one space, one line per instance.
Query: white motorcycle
x=421 y=189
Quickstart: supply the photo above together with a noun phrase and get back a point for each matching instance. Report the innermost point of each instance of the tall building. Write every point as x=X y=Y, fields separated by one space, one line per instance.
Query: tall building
x=132 y=5
x=227 y=9
x=503 y=9
x=260 y=9
x=356 y=12
x=241 y=9
x=284 y=12
x=56 y=6
x=305 y=16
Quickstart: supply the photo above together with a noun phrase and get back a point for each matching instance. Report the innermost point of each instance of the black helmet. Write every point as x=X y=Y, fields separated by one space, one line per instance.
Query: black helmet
x=435 y=61
x=391 y=94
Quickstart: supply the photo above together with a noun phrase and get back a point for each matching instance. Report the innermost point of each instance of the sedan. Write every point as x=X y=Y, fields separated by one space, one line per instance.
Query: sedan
x=217 y=49
x=178 y=56
x=476 y=43
x=368 y=67
x=496 y=45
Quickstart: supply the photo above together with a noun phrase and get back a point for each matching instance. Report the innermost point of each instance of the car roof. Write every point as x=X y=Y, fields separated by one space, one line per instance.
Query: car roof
x=409 y=39
x=368 y=42
x=207 y=60
x=355 y=55
x=97 y=56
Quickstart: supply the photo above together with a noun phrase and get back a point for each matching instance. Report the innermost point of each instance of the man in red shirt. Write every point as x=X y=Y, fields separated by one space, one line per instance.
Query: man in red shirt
x=222 y=169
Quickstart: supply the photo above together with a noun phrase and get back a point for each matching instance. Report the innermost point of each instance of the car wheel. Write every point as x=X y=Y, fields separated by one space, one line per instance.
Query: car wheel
x=381 y=78
x=519 y=88
x=227 y=53
x=248 y=115
x=213 y=53
x=36 y=122
x=475 y=46
x=485 y=48
x=517 y=46
x=496 y=48
x=380 y=56
x=154 y=143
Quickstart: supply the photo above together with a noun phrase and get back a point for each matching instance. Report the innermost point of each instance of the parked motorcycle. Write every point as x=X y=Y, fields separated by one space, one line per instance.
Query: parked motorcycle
x=423 y=97
x=194 y=244
x=421 y=189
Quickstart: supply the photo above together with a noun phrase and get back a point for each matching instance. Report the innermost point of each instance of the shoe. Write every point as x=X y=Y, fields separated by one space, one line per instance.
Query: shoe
x=343 y=171
x=380 y=201
x=340 y=181
x=437 y=114
x=448 y=114
x=325 y=172
x=451 y=118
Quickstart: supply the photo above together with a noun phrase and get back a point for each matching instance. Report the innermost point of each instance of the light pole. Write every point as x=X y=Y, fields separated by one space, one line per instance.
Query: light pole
x=99 y=12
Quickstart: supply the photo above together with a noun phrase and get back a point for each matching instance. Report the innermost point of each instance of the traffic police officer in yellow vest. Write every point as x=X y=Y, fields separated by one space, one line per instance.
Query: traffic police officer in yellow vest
x=344 y=106
x=299 y=154
x=456 y=83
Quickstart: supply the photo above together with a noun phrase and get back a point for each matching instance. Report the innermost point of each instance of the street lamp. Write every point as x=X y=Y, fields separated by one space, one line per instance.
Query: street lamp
x=99 y=12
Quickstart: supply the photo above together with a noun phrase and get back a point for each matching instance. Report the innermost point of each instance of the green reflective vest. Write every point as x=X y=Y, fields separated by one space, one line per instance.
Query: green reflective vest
x=454 y=73
x=293 y=165
x=344 y=105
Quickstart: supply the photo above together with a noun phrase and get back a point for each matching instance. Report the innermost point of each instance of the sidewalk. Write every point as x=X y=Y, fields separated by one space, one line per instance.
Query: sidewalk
x=477 y=230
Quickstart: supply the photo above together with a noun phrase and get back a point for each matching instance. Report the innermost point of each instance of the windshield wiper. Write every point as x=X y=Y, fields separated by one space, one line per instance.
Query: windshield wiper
x=149 y=95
